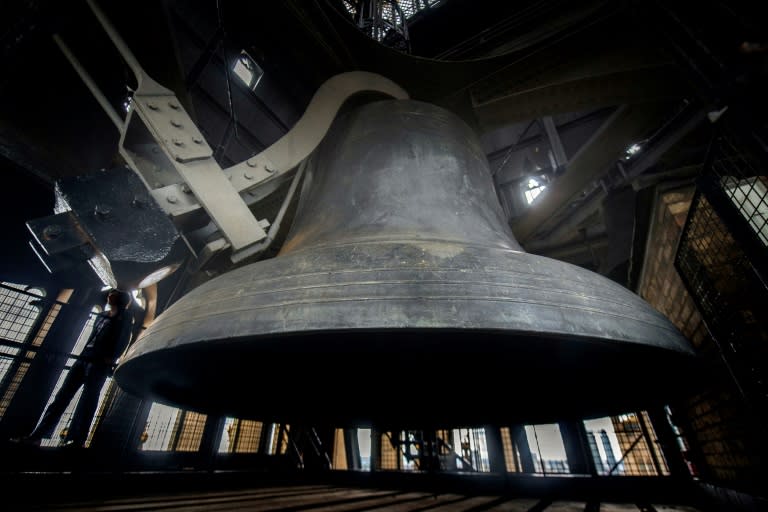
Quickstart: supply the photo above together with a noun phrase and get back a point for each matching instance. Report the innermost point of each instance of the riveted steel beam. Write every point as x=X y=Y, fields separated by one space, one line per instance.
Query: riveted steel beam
x=628 y=124
x=161 y=143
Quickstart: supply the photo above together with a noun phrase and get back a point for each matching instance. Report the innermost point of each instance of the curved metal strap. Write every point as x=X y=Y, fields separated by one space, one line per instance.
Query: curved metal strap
x=260 y=175
x=306 y=134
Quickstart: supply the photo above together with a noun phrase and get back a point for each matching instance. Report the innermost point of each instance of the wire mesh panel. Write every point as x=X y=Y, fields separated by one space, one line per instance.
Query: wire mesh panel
x=17 y=317
x=172 y=429
x=722 y=259
x=511 y=454
x=742 y=178
x=19 y=312
x=724 y=283
x=637 y=455
x=189 y=431
x=625 y=445
x=241 y=436
x=388 y=452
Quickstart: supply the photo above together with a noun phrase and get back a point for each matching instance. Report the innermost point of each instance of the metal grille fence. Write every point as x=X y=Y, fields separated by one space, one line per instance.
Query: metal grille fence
x=744 y=182
x=722 y=258
x=19 y=312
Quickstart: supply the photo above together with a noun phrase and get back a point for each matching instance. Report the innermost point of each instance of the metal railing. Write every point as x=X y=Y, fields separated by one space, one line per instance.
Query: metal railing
x=722 y=258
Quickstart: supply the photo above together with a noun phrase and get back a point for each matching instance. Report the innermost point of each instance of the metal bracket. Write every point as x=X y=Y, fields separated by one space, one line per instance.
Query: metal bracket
x=162 y=144
x=57 y=234
x=274 y=165
x=171 y=125
x=108 y=220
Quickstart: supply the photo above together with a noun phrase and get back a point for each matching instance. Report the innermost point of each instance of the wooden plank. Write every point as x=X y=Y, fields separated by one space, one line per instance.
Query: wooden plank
x=467 y=504
x=566 y=506
x=618 y=507
x=386 y=499
x=428 y=502
x=298 y=502
x=514 y=505
x=212 y=501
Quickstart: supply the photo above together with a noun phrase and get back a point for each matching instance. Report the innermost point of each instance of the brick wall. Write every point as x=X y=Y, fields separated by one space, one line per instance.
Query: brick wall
x=714 y=421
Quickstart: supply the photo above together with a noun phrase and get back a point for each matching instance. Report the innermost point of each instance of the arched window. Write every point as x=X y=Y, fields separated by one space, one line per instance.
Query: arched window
x=20 y=310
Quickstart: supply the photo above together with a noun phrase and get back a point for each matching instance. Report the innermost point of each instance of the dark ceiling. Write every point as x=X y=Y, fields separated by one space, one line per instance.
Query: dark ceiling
x=556 y=90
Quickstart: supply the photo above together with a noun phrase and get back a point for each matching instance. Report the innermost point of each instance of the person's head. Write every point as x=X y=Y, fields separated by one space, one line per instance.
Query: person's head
x=118 y=299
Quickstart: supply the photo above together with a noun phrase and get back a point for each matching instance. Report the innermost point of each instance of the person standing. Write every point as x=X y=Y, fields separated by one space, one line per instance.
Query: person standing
x=110 y=336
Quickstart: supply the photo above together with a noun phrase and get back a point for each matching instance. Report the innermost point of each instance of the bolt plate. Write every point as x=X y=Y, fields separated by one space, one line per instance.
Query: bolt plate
x=173 y=127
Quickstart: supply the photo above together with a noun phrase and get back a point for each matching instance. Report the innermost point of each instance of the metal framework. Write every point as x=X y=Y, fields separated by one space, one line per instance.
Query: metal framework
x=160 y=142
x=386 y=21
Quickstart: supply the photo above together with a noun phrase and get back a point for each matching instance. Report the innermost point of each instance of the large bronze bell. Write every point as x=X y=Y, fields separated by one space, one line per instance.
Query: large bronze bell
x=402 y=298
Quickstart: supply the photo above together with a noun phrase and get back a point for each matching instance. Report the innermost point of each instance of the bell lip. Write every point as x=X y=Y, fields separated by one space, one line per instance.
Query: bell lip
x=266 y=292
x=670 y=375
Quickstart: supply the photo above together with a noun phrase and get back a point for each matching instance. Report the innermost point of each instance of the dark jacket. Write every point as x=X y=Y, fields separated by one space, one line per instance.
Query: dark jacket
x=109 y=337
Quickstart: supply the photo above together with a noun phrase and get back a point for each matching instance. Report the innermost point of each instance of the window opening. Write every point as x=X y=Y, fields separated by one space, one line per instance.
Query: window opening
x=14 y=363
x=547 y=448
x=172 y=429
x=511 y=453
x=158 y=432
x=534 y=188
x=240 y=436
x=364 y=444
x=247 y=70
x=471 y=449
x=750 y=197
x=19 y=311
x=625 y=445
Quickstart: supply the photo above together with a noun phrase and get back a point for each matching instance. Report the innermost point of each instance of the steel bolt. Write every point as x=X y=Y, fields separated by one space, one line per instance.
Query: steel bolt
x=152 y=105
x=102 y=210
x=270 y=171
x=173 y=105
x=185 y=188
x=197 y=140
x=178 y=142
x=251 y=162
x=51 y=232
x=171 y=199
x=176 y=123
x=247 y=175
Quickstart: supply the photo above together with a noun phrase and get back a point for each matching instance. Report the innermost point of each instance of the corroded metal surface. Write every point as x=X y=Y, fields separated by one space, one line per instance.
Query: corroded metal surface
x=401 y=296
